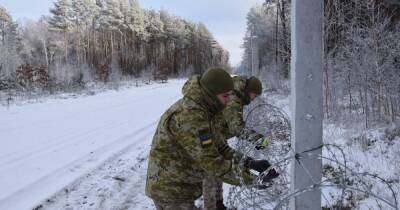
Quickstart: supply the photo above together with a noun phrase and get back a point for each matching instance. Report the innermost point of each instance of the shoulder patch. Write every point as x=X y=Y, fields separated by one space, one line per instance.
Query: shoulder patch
x=205 y=137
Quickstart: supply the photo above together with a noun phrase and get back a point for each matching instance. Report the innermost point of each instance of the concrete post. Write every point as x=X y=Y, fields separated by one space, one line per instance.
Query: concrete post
x=306 y=84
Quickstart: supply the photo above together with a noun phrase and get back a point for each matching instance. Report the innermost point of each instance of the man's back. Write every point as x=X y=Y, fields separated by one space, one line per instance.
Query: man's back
x=183 y=149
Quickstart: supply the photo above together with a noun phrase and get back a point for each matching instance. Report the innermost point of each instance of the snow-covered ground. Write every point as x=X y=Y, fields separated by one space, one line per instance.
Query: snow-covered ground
x=88 y=151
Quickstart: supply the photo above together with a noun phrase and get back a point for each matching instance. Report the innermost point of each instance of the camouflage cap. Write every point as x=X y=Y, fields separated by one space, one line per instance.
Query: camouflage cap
x=217 y=81
x=253 y=85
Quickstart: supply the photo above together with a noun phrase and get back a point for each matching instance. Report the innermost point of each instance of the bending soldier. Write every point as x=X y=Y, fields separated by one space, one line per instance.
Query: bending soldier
x=185 y=148
x=231 y=123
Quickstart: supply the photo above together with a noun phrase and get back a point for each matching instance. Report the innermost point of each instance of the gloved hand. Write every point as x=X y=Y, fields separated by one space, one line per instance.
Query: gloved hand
x=267 y=179
x=264 y=143
x=259 y=165
x=272 y=174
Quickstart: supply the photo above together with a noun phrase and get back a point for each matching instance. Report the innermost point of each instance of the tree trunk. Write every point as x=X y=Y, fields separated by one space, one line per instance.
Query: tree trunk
x=78 y=43
x=285 y=39
x=276 y=33
x=66 y=45
x=349 y=90
x=327 y=90
x=366 y=100
x=45 y=53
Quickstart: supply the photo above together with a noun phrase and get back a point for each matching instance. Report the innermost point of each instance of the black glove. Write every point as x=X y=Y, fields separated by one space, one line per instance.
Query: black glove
x=267 y=179
x=259 y=165
x=272 y=174
x=260 y=147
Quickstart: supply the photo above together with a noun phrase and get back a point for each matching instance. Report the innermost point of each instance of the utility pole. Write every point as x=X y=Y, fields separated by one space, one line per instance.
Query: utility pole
x=306 y=86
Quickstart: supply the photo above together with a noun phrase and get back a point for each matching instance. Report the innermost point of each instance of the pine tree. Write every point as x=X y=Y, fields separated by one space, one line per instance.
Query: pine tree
x=82 y=13
x=9 y=46
x=5 y=21
x=61 y=21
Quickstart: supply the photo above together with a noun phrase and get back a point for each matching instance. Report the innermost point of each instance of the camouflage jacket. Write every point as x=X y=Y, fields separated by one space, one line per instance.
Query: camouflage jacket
x=186 y=147
x=233 y=123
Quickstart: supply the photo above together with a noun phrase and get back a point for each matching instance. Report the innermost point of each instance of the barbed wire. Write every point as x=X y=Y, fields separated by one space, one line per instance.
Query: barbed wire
x=341 y=186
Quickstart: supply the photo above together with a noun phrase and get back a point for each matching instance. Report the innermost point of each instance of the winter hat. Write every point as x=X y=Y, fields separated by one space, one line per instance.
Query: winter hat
x=217 y=81
x=253 y=85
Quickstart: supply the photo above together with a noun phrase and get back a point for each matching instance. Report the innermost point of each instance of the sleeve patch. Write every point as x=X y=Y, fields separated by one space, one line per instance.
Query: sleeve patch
x=205 y=138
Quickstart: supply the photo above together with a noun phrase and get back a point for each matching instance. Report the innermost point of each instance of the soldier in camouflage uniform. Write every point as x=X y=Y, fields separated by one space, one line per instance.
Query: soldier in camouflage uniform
x=246 y=89
x=186 y=147
x=231 y=123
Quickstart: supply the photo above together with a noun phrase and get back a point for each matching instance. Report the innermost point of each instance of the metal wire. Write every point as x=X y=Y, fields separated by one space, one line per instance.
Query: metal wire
x=348 y=185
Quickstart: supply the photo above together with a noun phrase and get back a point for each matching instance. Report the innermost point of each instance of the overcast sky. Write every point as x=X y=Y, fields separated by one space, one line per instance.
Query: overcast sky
x=226 y=19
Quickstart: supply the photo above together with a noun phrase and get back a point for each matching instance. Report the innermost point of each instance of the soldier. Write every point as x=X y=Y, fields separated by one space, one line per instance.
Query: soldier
x=186 y=147
x=246 y=90
x=231 y=123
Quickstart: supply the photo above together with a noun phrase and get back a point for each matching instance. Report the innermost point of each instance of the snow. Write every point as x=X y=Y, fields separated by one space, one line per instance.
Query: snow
x=50 y=145
x=90 y=151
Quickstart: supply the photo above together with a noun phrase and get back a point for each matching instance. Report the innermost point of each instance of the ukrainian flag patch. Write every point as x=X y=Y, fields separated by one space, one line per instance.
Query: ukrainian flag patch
x=205 y=137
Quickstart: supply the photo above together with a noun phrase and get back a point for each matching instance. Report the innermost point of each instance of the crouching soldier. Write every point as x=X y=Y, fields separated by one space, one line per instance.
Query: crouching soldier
x=185 y=147
x=246 y=90
x=230 y=123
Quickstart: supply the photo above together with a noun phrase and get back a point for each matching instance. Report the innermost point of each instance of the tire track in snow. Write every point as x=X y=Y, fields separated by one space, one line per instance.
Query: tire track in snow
x=3 y=158
x=56 y=145
x=74 y=167
x=116 y=184
x=9 y=160
x=19 y=154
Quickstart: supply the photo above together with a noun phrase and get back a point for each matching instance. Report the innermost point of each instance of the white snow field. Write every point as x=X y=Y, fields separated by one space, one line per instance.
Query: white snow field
x=48 y=149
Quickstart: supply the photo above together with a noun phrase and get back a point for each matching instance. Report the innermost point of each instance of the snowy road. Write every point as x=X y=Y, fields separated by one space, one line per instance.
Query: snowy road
x=46 y=148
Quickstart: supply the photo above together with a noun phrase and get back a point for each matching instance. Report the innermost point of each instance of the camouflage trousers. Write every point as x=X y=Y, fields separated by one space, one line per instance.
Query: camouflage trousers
x=186 y=205
x=212 y=192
